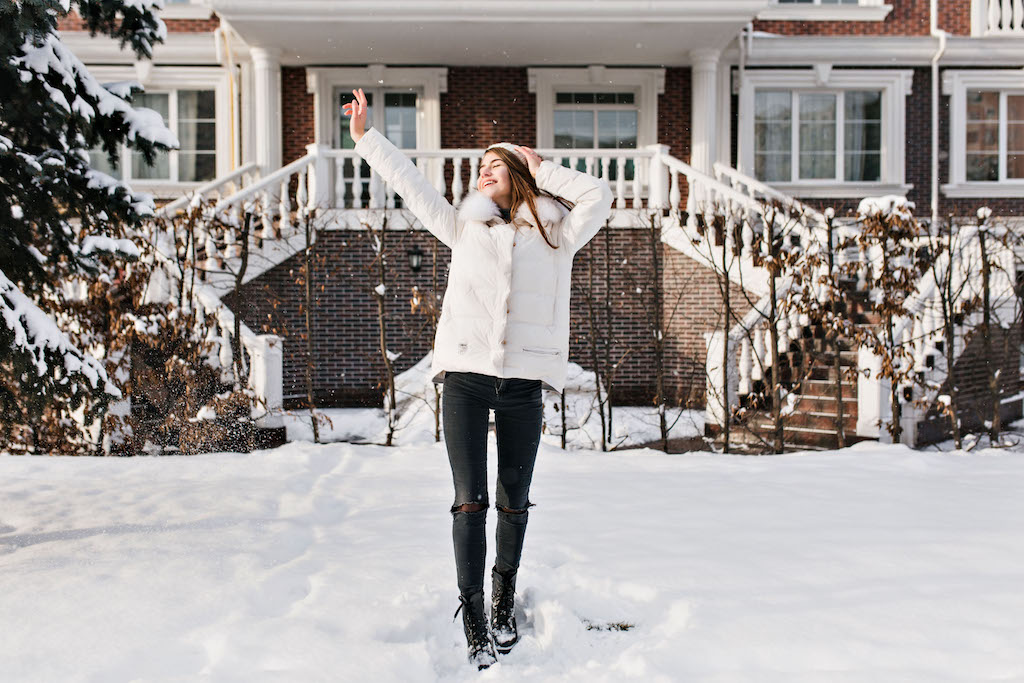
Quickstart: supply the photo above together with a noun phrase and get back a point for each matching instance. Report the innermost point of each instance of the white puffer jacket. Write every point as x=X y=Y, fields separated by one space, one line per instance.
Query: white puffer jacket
x=506 y=307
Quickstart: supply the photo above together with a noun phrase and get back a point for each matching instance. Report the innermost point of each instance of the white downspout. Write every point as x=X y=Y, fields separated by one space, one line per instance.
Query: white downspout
x=935 y=32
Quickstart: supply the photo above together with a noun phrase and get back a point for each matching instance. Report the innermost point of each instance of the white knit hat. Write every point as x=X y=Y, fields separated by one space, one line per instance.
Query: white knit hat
x=511 y=148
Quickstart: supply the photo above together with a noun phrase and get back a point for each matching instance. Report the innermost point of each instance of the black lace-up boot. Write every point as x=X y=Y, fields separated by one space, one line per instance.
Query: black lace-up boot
x=503 y=610
x=478 y=636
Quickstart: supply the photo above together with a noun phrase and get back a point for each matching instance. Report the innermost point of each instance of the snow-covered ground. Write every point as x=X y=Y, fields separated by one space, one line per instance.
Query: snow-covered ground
x=333 y=563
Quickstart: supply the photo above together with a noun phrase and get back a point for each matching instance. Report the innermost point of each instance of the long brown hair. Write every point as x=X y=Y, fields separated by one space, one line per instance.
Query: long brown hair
x=525 y=190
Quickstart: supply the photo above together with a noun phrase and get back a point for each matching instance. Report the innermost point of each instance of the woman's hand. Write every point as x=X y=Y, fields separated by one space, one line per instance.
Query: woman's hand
x=356 y=110
x=532 y=159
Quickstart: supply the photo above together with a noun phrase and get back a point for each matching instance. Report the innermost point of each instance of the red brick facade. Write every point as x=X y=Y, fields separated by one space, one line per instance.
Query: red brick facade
x=347 y=366
x=908 y=18
x=297 y=116
x=73 y=22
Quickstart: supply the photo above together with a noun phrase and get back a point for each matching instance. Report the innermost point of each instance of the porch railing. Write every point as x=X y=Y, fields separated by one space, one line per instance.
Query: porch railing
x=997 y=18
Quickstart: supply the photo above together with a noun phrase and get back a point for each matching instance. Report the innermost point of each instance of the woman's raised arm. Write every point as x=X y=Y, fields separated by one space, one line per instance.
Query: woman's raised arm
x=592 y=198
x=425 y=202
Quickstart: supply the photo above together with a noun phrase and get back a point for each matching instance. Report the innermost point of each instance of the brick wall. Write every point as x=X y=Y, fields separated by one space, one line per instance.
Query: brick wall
x=485 y=105
x=73 y=22
x=908 y=18
x=297 y=116
x=346 y=360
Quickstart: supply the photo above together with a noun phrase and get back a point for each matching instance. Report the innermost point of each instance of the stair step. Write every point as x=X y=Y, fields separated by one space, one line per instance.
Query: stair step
x=815 y=422
x=822 y=388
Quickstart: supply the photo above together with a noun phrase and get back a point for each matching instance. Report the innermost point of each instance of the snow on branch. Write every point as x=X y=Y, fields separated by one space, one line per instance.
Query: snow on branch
x=37 y=335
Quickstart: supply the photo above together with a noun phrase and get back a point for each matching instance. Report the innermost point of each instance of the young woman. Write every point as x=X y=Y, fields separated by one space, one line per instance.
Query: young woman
x=502 y=336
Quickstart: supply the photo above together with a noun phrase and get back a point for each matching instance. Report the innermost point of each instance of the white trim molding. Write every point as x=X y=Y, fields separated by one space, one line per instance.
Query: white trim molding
x=646 y=83
x=193 y=9
x=160 y=78
x=429 y=82
x=895 y=84
x=867 y=10
x=955 y=84
x=777 y=50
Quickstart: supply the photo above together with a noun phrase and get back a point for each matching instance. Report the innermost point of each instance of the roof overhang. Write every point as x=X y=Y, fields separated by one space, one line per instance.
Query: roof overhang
x=488 y=33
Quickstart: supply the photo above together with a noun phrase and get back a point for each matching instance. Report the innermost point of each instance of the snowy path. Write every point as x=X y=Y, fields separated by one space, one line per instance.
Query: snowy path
x=333 y=563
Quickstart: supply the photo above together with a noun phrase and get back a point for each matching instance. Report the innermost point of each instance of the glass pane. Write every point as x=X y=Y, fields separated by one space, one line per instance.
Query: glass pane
x=773 y=105
x=817 y=107
x=982 y=166
x=817 y=136
x=982 y=106
x=772 y=166
x=773 y=137
x=1015 y=165
x=1015 y=108
x=197 y=136
x=574 y=129
x=99 y=160
x=616 y=129
x=158 y=102
x=343 y=95
x=818 y=166
x=197 y=104
x=159 y=170
x=161 y=167
x=982 y=137
x=196 y=166
x=400 y=119
x=863 y=137
x=863 y=166
x=1014 y=137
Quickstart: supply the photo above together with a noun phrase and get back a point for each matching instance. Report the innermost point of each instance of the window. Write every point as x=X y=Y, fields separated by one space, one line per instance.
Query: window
x=596 y=120
x=396 y=120
x=192 y=115
x=825 y=132
x=986 y=133
x=991 y=153
x=832 y=136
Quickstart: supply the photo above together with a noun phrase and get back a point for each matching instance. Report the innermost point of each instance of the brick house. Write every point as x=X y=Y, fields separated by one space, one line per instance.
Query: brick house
x=825 y=102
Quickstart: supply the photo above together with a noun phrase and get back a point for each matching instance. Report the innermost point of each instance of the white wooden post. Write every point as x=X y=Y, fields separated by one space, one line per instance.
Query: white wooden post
x=657 y=174
x=266 y=374
x=873 y=409
x=721 y=382
x=320 y=183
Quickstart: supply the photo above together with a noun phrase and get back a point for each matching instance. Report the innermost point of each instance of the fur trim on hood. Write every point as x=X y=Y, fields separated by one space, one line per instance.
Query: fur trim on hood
x=480 y=207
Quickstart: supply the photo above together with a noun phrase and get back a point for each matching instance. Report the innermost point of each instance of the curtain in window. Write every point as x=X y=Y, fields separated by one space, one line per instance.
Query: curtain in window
x=982 y=135
x=773 y=135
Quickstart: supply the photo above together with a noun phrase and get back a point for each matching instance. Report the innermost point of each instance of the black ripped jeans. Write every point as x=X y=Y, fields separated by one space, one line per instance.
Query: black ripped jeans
x=518 y=413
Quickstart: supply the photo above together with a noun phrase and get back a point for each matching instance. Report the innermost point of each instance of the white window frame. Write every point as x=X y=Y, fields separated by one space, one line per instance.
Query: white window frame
x=647 y=84
x=955 y=84
x=866 y=10
x=895 y=86
x=428 y=82
x=162 y=79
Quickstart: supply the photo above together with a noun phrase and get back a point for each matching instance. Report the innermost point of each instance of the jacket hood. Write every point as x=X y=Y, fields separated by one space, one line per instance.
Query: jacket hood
x=480 y=207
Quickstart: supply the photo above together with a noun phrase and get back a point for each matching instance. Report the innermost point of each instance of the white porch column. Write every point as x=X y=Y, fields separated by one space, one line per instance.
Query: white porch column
x=704 y=108
x=267 y=95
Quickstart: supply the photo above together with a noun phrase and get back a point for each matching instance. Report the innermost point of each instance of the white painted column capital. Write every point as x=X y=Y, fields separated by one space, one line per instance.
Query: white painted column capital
x=267 y=94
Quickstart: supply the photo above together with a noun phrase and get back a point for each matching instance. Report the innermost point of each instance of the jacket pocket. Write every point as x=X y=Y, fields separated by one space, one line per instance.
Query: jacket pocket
x=542 y=350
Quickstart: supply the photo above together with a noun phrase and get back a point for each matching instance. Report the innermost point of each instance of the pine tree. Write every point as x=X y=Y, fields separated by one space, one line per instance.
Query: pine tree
x=59 y=218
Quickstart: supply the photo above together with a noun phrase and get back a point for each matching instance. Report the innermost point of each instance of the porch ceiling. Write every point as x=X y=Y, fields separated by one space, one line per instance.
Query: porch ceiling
x=489 y=33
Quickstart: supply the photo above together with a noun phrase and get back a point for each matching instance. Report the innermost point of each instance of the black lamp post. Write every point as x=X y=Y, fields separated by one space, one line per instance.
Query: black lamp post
x=415 y=258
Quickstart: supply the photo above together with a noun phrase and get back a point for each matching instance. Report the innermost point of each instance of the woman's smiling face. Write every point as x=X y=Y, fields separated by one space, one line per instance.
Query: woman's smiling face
x=494 y=181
